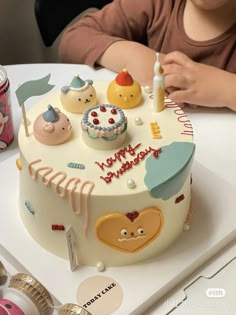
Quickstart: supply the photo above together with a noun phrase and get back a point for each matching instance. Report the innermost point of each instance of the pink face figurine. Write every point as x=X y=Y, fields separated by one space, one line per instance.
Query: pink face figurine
x=52 y=127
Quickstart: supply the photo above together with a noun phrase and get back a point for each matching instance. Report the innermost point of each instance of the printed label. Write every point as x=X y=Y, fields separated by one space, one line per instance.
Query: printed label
x=71 y=245
x=100 y=295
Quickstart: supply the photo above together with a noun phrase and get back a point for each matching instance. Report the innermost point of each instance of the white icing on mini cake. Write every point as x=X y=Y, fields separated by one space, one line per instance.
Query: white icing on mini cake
x=104 y=127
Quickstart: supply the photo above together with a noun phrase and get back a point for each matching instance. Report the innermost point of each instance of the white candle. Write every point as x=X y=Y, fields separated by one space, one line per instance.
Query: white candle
x=158 y=87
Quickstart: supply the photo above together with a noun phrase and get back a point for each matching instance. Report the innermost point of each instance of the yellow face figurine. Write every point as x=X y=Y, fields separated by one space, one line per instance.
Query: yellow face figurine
x=124 y=91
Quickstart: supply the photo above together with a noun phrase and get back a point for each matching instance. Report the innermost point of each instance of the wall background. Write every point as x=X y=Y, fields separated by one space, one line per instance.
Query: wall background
x=20 y=39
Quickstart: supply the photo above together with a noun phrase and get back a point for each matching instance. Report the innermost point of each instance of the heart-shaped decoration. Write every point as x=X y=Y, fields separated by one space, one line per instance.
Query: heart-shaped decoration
x=130 y=232
x=132 y=215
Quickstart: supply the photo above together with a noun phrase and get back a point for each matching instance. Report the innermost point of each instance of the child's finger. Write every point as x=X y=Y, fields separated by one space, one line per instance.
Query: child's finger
x=180 y=96
x=171 y=68
x=176 y=81
x=175 y=57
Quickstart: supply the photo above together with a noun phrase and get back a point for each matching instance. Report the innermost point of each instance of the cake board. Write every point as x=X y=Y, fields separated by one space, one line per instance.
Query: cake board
x=213 y=227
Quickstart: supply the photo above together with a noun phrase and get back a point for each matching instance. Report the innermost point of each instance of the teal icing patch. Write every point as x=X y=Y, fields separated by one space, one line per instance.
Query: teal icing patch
x=166 y=174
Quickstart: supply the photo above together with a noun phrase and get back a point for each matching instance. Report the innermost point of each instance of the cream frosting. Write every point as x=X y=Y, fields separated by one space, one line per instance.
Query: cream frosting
x=107 y=184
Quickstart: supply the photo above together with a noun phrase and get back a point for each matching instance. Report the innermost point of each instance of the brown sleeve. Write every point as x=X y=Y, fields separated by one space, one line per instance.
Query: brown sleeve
x=86 y=40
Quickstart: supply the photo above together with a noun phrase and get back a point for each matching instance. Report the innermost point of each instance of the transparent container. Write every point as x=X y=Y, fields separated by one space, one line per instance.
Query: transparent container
x=26 y=296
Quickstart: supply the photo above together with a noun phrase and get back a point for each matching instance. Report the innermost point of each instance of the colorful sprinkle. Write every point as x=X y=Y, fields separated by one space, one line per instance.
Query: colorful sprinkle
x=155 y=129
x=19 y=164
x=179 y=198
x=76 y=165
x=58 y=227
x=29 y=207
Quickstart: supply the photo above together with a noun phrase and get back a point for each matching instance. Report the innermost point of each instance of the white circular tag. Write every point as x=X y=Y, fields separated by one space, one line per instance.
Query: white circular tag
x=100 y=295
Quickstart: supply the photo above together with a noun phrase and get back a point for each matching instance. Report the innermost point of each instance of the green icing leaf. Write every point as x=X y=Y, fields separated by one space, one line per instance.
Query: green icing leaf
x=166 y=174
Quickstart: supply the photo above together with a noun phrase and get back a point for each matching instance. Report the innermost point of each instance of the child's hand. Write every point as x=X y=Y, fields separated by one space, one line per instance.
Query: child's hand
x=194 y=83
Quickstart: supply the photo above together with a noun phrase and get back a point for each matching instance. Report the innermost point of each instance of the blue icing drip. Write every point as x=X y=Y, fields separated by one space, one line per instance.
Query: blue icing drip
x=166 y=174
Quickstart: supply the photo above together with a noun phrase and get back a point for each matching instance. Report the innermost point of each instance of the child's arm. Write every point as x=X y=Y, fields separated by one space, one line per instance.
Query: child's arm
x=199 y=84
x=137 y=58
x=117 y=37
x=87 y=39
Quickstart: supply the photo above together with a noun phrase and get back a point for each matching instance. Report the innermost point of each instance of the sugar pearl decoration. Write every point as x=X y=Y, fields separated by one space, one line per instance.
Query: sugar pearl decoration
x=131 y=183
x=100 y=266
x=138 y=121
x=148 y=89
x=186 y=227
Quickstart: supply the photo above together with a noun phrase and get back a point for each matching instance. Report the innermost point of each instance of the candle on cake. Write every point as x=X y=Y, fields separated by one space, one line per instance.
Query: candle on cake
x=158 y=87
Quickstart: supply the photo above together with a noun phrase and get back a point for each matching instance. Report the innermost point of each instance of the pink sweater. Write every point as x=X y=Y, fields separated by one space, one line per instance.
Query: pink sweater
x=156 y=23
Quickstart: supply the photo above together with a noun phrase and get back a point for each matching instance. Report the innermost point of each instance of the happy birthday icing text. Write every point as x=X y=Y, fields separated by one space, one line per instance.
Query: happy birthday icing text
x=122 y=155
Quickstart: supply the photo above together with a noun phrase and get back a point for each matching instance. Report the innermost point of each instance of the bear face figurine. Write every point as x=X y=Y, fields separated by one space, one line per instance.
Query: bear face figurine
x=52 y=127
x=78 y=96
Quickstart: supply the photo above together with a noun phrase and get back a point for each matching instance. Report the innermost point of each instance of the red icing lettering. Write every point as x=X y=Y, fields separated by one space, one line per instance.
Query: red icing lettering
x=118 y=156
x=127 y=165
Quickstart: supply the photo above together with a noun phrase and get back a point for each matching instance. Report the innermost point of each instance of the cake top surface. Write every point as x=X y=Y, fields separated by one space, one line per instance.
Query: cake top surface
x=152 y=138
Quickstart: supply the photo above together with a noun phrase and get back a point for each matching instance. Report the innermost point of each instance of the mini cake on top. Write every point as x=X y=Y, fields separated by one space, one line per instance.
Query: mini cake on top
x=104 y=127
x=78 y=96
x=124 y=91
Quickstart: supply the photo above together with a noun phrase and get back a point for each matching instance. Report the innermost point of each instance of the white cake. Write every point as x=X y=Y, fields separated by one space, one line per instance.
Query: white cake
x=125 y=203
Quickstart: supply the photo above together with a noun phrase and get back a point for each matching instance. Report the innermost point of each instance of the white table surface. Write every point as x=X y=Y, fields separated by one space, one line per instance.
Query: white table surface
x=214 y=129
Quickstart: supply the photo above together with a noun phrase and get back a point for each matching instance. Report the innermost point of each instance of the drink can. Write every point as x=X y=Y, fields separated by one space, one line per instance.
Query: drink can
x=6 y=123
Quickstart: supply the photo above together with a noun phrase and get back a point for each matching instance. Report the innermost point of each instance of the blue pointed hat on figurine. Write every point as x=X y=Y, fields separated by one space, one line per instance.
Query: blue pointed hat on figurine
x=51 y=115
x=78 y=95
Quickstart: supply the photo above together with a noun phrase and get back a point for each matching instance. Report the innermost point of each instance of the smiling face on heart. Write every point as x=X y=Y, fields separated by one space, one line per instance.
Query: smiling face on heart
x=130 y=232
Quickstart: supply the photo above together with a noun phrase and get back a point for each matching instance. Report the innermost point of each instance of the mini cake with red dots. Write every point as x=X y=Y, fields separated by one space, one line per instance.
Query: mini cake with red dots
x=104 y=127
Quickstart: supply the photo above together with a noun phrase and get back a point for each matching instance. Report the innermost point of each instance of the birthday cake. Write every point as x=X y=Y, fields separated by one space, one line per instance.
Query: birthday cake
x=111 y=172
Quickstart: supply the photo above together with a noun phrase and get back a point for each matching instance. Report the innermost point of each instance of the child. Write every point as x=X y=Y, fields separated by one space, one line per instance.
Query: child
x=127 y=34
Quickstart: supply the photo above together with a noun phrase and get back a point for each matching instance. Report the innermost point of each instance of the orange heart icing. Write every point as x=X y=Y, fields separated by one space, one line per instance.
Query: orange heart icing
x=130 y=233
